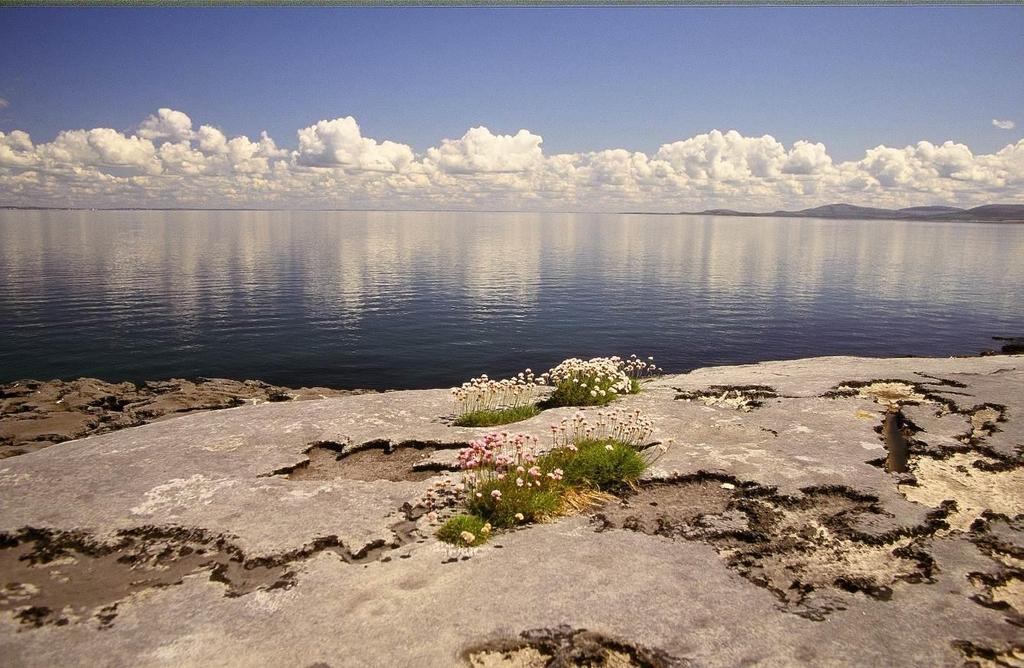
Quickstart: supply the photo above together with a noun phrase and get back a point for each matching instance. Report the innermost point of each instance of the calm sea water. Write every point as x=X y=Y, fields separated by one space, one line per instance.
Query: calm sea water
x=407 y=300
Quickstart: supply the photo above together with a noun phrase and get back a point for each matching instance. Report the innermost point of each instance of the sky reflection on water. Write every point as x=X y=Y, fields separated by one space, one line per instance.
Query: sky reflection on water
x=415 y=299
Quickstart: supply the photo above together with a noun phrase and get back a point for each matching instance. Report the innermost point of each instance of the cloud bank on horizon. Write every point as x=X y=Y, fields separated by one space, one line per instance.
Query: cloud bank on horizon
x=168 y=162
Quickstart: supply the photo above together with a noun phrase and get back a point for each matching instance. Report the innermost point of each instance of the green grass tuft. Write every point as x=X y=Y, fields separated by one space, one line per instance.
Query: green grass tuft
x=634 y=386
x=451 y=531
x=490 y=418
x=534 y=504
x=604 y=464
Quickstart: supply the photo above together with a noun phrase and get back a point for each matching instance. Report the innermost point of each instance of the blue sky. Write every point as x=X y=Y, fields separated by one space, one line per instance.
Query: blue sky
x=584 y=79
x=604 y=109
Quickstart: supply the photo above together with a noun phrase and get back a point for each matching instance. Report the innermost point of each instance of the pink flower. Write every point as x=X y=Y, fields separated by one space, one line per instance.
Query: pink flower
x=496 y=494
x=519 y=482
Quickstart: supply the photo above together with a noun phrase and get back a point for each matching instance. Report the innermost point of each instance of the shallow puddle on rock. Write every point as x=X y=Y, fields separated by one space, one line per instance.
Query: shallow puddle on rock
x=896 y=445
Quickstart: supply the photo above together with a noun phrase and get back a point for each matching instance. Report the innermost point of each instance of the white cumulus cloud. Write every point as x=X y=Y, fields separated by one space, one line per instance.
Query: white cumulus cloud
x=481 y=151
x=166 y=125
x=168 y=162
x=339 y=143
x=1003 y=125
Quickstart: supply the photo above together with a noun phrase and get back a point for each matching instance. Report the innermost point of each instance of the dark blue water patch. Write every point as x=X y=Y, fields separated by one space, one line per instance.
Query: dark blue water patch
x=409 y=300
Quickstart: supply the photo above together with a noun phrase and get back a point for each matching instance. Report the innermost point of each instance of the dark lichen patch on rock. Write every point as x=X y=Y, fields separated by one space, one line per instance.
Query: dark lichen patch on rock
x=377 y=460
x=965 y=470
x=62 y=577
x=807 y=550
x=958 y=467
x=59 y=577
x=886 y=392
x=565 y=647
x=738 y=397
x=35 y=414
x=982 y=655
x=1000 y=537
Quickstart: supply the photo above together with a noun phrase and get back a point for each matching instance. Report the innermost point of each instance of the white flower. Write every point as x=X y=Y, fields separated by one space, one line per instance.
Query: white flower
x=467 y=537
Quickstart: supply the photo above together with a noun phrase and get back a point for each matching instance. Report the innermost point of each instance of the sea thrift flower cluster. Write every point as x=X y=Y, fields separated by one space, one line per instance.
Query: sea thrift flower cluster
x=634 y=367
x=499 y=456
x=482 y=393
x=505 y=480
x=628 y=427
x=600 y=375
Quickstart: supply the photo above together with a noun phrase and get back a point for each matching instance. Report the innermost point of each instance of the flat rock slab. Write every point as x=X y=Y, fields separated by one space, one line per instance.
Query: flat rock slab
x=36 y=414
x=770 y=533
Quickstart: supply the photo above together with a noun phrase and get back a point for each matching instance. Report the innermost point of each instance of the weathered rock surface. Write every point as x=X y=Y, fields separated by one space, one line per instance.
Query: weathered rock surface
x=771 y=533
x=35 y=414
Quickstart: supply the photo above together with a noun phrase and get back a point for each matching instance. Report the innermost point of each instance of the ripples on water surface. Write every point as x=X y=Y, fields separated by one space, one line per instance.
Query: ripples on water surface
x=353 y=299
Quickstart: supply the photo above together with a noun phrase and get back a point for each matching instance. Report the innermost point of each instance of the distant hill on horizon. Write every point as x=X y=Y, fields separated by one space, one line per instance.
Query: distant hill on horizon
x=989 y=213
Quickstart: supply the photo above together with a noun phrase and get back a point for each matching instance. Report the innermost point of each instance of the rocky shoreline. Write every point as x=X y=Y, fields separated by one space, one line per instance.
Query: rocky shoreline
x=771 y=533
x=35 y=414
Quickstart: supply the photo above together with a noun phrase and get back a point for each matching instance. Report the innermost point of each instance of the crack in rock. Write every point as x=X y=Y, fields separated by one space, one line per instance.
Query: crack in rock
x=36 y=414
x=1001 y=538
x=884 y=392
x=962 y=473
x=808 y=551
x=737 y=397
x=565 y=647
x=62 y=577
x=977 y=655
x=371 y=461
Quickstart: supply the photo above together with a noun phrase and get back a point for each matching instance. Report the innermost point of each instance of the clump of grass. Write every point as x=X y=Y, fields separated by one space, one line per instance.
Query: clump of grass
x=601 y=463
x=490 y=417
x=515 y=504
x=506 y=483
x=465 y=530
